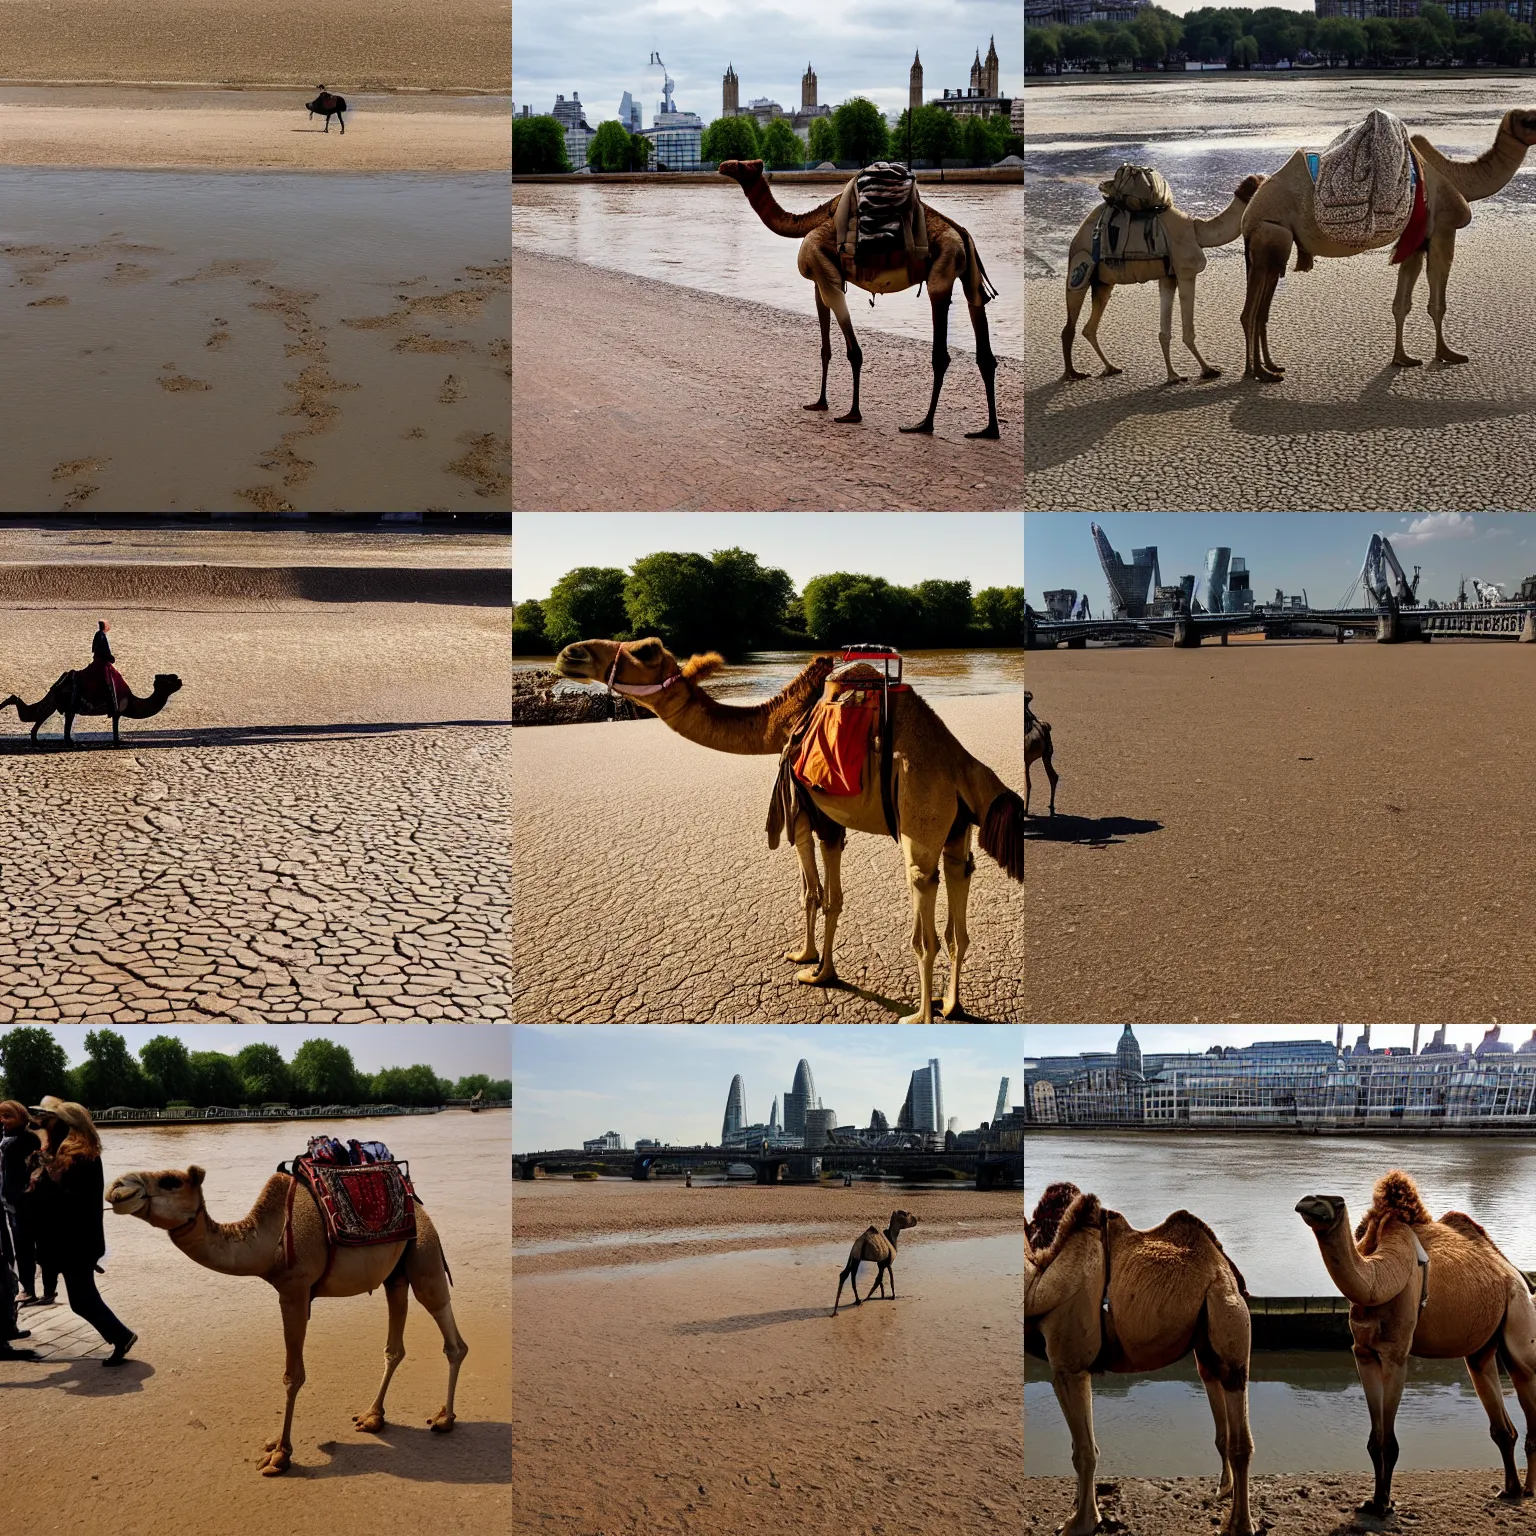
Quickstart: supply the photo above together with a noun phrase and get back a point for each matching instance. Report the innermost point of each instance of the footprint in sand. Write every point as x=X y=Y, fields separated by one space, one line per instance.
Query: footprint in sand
x=265 y=498
x=414 y=432
x=486 y=462
x=77 y=494
x=53 y=301
x=451 y=392
x=217 y=341
x=70 y=468
x=179 y=383
x=128 y=272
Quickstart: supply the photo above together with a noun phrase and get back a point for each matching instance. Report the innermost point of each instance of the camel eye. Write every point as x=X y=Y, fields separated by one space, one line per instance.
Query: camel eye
x=169 y=1183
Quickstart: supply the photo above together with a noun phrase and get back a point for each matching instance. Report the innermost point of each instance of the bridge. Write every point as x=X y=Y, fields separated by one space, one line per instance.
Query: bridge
x=990 y=1167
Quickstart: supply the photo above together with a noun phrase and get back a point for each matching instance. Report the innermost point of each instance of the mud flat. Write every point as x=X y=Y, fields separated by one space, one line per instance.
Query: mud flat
x=659 y=844
x=714 y=1392
x=1314 y=859
x=718 y=423
x=206 y=1377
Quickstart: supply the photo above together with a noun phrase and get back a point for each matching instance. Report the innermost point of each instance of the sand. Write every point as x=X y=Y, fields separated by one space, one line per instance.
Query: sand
x=203 y=1390
x=718 y=1393
x=121 y=127
x=658 y=845
x=1445 y=1503
x=350 y=44
x=1301 y=832
x=636 y=395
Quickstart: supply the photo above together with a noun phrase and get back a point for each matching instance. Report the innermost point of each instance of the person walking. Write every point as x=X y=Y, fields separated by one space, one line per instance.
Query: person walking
x=17 y=1144
x=9 y=1281
x=67 y=1188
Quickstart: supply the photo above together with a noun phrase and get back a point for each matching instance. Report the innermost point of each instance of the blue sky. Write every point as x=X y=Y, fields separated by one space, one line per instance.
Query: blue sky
x=573 y=1082
x=598 y=49
x=984 y=548
x=452 y=1050
x=1319 y=551
x=1069 y=1039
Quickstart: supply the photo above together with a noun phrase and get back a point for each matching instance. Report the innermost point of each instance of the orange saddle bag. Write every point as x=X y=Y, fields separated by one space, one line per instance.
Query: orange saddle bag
x=836 y=747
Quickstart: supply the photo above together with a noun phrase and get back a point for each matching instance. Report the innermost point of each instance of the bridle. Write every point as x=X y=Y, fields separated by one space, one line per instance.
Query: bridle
x=635 y=690
x=191 y=1221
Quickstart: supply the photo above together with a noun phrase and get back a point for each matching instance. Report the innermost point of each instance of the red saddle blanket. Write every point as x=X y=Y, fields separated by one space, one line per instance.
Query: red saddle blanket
x=364 y=1205
x=836 y=746
x=99 y=689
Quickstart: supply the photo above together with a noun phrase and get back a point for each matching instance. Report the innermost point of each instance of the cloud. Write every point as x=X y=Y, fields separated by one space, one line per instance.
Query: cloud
x=1433 y=527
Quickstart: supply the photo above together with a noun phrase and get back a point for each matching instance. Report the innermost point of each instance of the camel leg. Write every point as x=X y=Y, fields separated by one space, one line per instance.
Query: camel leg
x=1442 y=251
x=1382 y=1377
x=1075 y=297
x=831 y=905
x=1274 y=368
x=1267 y=249
x=959 y=865
x=397 y=1292
x=1166 y=289
x=1187 y=322
x=940 y=300
x=851 y=1275
x=1402 y=305
x=824 y=319
x=117 y=740
x=834 y=300
x=1101 y=297
x=1222 y=1349
x=986 y=361
x=1218 y=1401
x=1074 y=1391
x=923 y=881
x=69 y=725
x=295 y=1305
x=429 y=1281
x=810 y=890
x=1483 y=1368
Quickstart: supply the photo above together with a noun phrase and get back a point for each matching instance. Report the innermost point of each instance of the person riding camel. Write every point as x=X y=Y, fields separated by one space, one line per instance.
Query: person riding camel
x=102 y=676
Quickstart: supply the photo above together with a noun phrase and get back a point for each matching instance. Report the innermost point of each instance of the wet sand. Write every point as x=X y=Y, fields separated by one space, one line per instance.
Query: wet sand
x=636 y=395
x=203 y=1388
x=1447 y=1503
x=1321 y=854
x=658 y=843
x=716 y=1392
x=180 y=341
x=126 y=126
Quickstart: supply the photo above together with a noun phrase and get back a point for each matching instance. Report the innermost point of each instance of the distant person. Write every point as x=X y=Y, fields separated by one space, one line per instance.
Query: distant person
x=11 y=1114
x=17 y=1144
x=68 y=1194
x=688 y=1181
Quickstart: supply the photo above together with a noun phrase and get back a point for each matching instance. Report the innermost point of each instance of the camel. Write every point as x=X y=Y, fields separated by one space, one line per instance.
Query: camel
x=1188 y=240
x=1280 y=215
x=1037 y=745
x=939 y=789
x=952 y=257
x=878 y=1248
x=1099 y=1296
x=327 y=103
x=173 y=1201
x=1435 y=1289
x=64 y=698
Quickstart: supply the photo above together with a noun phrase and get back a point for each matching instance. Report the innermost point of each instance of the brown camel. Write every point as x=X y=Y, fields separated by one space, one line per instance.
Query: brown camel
x=878 y=1248
x=1037 y=745
x=952 y=258
x=1438 y=1290
x=1281 y=215
x=1099 y=1296
x=1188 y=240
x=65 y=698
x=173 y=1201
x=939 y=789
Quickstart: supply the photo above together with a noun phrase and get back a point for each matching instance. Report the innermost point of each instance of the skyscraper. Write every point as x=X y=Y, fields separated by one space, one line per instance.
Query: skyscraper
x=730 y=97
x=915 y=83
x=799 y=1099
x=735 y=1110
x=773 y=1119
x=926 y=1097
x=1002 y=1102
x=1129 y=585
x=1128 y=1053
x=1212 y=595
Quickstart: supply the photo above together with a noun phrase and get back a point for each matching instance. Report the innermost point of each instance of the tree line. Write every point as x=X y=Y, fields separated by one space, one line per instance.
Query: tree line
x=32 y=1063
x=1242 y=38
x=729 y=602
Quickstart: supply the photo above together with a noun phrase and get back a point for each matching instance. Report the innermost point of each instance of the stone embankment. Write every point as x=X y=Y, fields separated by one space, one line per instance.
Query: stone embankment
x=535 y=702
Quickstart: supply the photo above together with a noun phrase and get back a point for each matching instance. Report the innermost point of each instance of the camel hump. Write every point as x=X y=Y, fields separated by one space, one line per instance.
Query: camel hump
x=1085 y=1214
x=1052 y=1206
x=1397 y=1195
x=1187 y=1225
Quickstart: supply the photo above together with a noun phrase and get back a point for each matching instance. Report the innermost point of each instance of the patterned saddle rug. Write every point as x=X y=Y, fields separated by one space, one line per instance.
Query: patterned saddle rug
x=98 y=689
x=364 y=1194
x=880 y=212
x=1366 y=182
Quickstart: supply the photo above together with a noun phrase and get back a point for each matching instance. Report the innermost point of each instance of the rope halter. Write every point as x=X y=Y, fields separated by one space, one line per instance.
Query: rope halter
x=635 y=690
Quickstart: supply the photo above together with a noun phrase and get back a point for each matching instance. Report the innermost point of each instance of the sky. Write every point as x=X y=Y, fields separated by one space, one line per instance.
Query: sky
x=984 y=548
x=670 y=1081
x=451 y=1050
x=1319 y=551
x=1156 y=1039
x=598 y=49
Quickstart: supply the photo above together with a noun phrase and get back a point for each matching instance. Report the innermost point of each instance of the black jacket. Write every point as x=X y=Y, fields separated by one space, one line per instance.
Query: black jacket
x=67 y=1214
x=101 y=647
x=14 y=1152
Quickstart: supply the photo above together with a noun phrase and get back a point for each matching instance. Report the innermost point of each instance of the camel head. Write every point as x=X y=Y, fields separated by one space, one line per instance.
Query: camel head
x=630 y=665
x=743 y=172
x=166 y=683
x=170 y=1198
x=900 y=1221
x=1522 y=124
x=1248 y=186
x=1321 y=1212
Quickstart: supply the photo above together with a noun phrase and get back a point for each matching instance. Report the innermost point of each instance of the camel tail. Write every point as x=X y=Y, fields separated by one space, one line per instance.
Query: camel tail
x=1002 y=833
x=985 y=286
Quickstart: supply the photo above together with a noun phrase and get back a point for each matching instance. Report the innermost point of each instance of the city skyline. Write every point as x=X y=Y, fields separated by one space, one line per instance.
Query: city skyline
x=599 y=50
x=1172 y=1039
x=1321 y=552
x=671 y=1081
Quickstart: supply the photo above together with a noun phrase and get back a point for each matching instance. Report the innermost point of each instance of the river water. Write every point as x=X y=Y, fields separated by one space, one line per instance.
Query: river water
x=707 y=237
x=1308 y=1409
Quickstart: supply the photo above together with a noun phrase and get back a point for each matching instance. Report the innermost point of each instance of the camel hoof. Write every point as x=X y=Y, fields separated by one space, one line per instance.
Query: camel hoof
x=1404 y=361
x=916 y=1018
x=1210 y=373
x=1072 y=373
x=369 y=1423
x=988 y=432
x=1449 y=357
x=804 y=956
x=441 y=1423
x=1370 y=1507
x=275 y=1460
x=817 y=976
x=1110 y=371
x=815 y=405
x=925 y=427
x=1512 y=1497
x=1174 y=378
x=852 y=418
x=952 y=1011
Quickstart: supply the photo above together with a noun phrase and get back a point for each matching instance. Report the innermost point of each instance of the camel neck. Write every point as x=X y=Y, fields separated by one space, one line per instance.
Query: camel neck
x=1493 y=169
x=1368 y=1280
x=793 y=225
x=245 y=1247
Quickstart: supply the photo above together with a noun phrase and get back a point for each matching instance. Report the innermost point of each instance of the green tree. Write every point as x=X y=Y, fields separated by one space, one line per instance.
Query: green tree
x=611 y=148
x=1042 y=49
x=528 y=634
x=749 y=602
x=672 y=595
x=324 y=1072
x=1121 y=47
x=976 y=142
x=823 y=140
x=860 y=131
x=34 y=1063
x=999 y=613
x=780 y=146
x=944 y=613
x=1439 y=22
x=264 y=1074
x=730 y=138
x=1378 y=39
x=478 y=1082
x=215 y=1079
x=585 y=604
x=1340 y=37
x=1245 y=53
x=642 y=148
x=410 y=1087
x=844 y=607
x=538 y=146
x=936 y=135
x=109 y=1074
x=168 y=1069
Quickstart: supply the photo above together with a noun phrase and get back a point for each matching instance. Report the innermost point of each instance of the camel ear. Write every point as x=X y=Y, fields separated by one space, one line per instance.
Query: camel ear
x=697 y=668
x=195 y=1176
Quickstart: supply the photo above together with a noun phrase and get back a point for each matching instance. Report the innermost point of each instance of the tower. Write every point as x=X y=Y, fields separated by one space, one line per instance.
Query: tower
x=915 y=84
x=977 y=76
x=1128 y=1053
x=799 y=1099
x=735 y=1110
x=808 y=90
x=991 y=81
x=773 y=1119
x=730 y=93
x=1002 y=1102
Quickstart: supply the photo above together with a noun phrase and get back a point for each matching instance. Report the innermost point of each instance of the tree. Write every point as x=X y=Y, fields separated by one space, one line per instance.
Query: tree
x=585 y=604
x=538 y=146
x=109 y=1074
x=1000 y=615
x=611 y=148
x=944 y=613
x=844 y=607
x=324 y=1071
x=215 y=1079
x=642 y=148
x=730 y=138
x=528 y=636
x=34 y=1063
x=976 y=141
x=264 y=1074
x=936 y=135
x=780 y=146
x=478 y=1082
x=860 y=131
x=749 y=601
x=1042 y=49
x=407 y=1086
x=823 y=139
x=1121 y=47
x=1378 y=39
x=1245 y=53
x=672 y=595
x=168 y=1070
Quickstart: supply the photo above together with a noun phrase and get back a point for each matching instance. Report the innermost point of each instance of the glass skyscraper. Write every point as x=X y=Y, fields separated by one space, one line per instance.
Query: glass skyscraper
x=735 y=1110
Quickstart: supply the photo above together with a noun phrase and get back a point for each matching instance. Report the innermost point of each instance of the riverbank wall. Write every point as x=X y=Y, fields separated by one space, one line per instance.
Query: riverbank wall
x=92 y=581
x=1524 y=1129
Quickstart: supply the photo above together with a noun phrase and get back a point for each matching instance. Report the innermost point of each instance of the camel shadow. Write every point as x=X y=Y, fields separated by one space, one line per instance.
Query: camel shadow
x=230 y=736
x=902 y=1007
x=1090 y=831
x=478 y=1452
x=86 y=1378
x=746 y=1322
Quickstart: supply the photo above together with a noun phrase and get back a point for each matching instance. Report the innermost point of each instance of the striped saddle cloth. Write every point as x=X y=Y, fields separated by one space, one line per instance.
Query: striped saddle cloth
x=1364 y=182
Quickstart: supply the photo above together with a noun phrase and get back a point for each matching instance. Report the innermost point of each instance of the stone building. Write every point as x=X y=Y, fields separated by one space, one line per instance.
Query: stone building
x=808 y=91
x=730 y=95
x=915 y=84
x=983 y=96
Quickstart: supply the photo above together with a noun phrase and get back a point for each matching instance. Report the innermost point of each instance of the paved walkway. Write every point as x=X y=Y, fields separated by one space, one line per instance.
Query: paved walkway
x=57 y=1334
